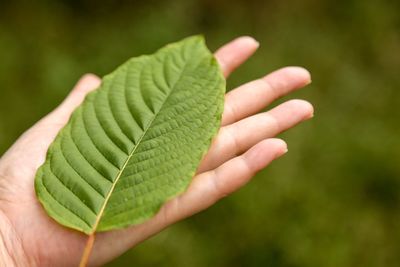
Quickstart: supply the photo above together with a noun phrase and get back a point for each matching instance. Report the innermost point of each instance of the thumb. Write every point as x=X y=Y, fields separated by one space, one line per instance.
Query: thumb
x=30 y=149
x=61 y=114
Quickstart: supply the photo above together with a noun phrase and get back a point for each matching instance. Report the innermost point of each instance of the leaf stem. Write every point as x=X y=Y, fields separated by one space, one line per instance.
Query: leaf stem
x=87 y=251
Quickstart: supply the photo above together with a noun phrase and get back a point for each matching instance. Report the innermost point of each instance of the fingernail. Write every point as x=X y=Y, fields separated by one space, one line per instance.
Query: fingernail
x=257 y=43
x=282 y=152
x=250 y=40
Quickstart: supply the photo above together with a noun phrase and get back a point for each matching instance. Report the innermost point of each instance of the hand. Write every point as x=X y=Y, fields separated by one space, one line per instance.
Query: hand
x=243 y=146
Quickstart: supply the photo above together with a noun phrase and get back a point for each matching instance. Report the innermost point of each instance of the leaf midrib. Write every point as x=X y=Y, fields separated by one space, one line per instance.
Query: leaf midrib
x=107 y=198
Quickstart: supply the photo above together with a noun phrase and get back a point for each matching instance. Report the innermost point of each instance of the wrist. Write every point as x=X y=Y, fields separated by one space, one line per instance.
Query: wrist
x=11 y=249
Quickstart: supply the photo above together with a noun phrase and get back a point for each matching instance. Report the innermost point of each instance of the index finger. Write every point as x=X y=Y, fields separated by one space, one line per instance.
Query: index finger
x=234 y=53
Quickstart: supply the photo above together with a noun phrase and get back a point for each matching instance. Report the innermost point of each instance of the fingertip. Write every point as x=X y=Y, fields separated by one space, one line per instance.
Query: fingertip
x=231 y=55
x=282 y=147
x=85 y=84
x=89 y=76
x=88 y=81
x=275 y=144
x=306 y=107
x=302 y=75
x=263 y=153
x=247 y=41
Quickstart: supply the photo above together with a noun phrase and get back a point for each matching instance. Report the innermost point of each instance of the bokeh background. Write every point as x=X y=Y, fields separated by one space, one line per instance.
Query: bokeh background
x=333 y=200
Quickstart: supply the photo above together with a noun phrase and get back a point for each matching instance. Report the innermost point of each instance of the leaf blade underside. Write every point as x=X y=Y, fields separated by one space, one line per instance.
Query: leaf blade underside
x=136 y=141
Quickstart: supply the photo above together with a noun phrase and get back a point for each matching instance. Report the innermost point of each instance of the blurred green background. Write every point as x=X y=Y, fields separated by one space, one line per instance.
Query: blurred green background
x=333 y=200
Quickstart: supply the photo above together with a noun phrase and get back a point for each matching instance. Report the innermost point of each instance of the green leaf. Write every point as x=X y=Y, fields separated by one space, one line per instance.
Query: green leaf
x=136 y=141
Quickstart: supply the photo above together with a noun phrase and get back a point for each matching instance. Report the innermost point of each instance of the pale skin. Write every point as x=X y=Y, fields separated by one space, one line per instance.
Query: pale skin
x=245 y=144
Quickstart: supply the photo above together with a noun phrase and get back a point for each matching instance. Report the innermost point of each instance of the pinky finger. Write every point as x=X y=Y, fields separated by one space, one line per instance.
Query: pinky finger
x=237 y=172
x=209 y=187
x=205 y=189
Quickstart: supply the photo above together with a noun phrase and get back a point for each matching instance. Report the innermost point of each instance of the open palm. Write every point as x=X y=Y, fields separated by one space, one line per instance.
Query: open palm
x=243 y=146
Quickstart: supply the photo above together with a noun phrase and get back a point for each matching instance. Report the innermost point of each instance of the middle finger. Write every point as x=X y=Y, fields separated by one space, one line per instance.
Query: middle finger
x=236 y=138
x=252 y=97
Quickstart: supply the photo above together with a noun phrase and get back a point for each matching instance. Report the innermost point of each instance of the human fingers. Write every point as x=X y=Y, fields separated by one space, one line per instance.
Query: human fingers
x=208 y=187
x=234 y=53
x=240 y=136
x=252 y=97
